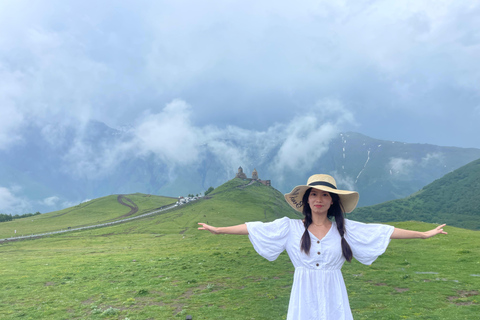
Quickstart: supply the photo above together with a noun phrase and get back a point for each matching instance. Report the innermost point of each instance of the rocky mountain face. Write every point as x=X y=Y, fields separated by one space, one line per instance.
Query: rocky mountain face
x=59 y=167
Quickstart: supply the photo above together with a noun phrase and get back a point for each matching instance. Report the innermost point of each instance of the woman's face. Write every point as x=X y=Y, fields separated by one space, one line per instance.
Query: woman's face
x=319 y=201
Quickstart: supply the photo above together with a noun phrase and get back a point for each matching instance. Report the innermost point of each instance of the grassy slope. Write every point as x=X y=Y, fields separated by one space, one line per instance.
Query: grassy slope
x=453 y=199
x=96 y=211
x=161 y=267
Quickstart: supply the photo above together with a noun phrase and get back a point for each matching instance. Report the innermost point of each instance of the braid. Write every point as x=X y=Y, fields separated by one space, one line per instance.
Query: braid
x=336 y=210
x=307 y=212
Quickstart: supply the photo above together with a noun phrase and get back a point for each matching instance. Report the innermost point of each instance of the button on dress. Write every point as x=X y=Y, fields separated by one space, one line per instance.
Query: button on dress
x=318 y=290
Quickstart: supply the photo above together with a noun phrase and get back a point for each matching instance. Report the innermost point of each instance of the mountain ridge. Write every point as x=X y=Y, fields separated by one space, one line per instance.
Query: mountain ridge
x=452 y=199
x=47 y=174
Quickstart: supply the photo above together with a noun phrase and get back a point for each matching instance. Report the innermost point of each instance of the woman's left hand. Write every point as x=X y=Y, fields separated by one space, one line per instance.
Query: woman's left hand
x=409 y=234
x=434 y=232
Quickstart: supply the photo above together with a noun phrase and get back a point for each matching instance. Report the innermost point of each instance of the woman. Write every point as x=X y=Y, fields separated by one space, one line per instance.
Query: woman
x=319 y=244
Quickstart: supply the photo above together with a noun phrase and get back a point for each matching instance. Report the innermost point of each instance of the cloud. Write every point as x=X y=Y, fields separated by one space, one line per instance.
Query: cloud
x=344 y=182
x=95 y=160
x=234 y=146
x=97 y=150
x=172 y=137
x=11 y=119
x=306 y=137
x=10 y=203
x=170 y=134
x=55 y=133
x=400 y=166
x=246 y=64
x=432 y=158
x=51 y=201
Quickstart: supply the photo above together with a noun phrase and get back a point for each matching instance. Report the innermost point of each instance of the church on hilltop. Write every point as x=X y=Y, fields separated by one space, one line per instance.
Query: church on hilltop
x=240 y=174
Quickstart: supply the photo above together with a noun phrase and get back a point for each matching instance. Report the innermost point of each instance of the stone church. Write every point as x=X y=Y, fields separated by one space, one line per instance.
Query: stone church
x=240 y=174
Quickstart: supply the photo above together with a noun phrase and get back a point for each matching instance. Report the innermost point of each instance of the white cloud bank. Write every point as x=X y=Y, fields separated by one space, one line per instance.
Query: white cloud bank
x=296 y=145
x=400 y=166
x=236 y=59
x=305 y=139
x=11 y=203
x=51 y=201
x=173 y=138
x=170 y=134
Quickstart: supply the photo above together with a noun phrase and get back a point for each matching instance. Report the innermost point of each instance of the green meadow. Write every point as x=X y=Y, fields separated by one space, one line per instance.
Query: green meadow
x=96 y=211
x=162 y=267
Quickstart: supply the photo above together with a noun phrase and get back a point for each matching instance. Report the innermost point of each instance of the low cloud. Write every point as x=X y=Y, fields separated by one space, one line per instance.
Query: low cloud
x=86 y=159
x=93 y=151
x=400 y=166
x=173 y=138
x=432 y=158
x=170 y=134
x=306 y=138
x=11 y=119
x=343 y=181
x=51 y=201
x=10 y=203
x=234 y=146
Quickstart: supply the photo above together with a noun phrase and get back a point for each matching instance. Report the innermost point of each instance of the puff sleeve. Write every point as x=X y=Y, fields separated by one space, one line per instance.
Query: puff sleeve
x=269 y=238
x=367 y=241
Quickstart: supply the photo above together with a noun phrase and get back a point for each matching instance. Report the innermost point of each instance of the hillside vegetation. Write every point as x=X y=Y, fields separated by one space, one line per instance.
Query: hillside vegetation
x=454 y=199
x=97 y=211
x=162 y=267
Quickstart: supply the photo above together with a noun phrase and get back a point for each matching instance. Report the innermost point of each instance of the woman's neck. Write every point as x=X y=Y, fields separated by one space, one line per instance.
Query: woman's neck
x=320 y=220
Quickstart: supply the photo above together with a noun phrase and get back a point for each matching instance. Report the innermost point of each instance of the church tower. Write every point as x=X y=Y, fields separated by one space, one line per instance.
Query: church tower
x=255 y=174
x=240 y=174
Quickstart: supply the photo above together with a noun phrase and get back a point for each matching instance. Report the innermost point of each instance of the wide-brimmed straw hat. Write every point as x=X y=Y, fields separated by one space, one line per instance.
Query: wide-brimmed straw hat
x=324 y=182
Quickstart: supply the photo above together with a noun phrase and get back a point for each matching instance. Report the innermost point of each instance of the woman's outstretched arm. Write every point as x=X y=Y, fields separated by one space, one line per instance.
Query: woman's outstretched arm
x=240 y=229
x=408 y=234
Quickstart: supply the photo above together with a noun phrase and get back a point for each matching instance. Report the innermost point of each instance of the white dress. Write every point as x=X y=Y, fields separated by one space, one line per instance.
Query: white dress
x=318 y=290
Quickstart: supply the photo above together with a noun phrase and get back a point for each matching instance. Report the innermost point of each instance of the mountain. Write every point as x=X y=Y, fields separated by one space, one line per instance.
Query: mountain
x=60 y=166
x=452 y=199
x=386 y=170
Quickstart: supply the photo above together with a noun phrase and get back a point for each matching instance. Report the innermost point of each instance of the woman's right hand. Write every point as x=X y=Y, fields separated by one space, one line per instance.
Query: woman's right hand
x=207 y=227
x=238 y=229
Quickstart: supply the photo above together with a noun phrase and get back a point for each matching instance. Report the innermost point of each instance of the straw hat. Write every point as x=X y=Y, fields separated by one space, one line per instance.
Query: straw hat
x=324 y=182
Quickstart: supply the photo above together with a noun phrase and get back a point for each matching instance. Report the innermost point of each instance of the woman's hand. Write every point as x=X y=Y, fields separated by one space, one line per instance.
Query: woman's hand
x=434 y=232
x=240 y=229
x=207 y=227
x=409 y=234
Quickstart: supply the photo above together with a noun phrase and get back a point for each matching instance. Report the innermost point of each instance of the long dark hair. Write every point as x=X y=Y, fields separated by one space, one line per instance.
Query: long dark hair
x=335 y=211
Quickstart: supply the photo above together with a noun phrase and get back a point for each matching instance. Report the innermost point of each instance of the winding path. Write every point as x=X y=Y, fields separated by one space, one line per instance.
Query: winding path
x=133 y=207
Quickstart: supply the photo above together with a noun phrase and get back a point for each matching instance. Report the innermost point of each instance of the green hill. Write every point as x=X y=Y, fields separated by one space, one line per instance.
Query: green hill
x=454 y=199
x=162 y=267
x=97 y=211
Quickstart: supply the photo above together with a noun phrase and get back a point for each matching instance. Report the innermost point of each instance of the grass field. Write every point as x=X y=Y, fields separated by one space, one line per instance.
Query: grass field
x=95 y=211
x=162 y=267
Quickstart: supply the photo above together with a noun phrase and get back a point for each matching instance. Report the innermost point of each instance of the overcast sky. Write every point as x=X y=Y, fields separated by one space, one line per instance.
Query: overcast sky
x=402 y=70
x=266 y=73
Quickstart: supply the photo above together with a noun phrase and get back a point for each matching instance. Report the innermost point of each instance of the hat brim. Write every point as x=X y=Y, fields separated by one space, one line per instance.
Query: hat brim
x=349 y=199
